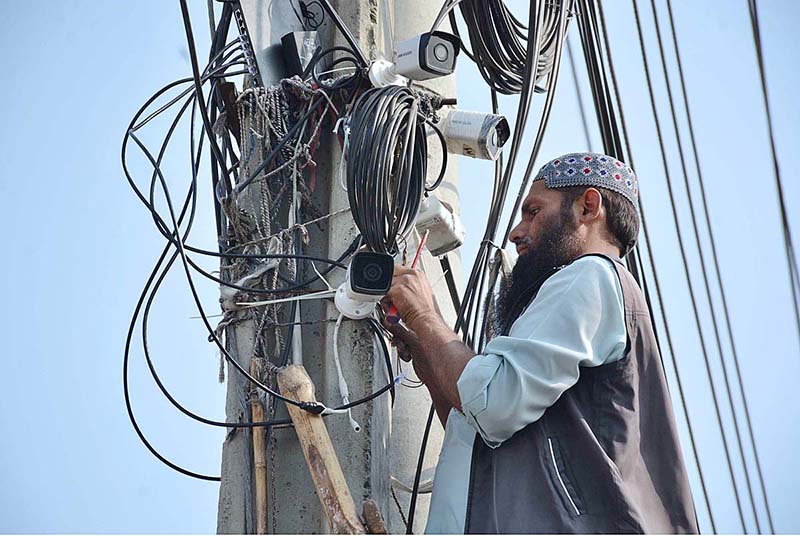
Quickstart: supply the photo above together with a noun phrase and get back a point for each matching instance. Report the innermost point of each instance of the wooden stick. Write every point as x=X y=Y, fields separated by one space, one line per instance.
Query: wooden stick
x=331 y=487
x=373 y=518
x=259 y=456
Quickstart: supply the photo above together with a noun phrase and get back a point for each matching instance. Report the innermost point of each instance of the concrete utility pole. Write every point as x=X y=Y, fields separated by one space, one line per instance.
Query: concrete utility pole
x=388 y=444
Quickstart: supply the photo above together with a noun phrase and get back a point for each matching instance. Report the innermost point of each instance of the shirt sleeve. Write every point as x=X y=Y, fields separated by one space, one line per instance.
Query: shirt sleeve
x=576 y=320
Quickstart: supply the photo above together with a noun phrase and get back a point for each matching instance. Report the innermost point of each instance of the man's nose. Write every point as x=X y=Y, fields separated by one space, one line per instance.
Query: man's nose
x=516 y=233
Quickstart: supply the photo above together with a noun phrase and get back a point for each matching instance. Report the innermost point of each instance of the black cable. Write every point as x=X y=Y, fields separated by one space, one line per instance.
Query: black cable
x=389 y=387
x=314 y=407
x=163 y=228
x=501 y=181
x=716 y=264
x=552 y=82
x=579 y=96
x=345 y=31
x=187 y=25
x=791 y=256
x=703 y=270
x=443 y=168
x=645 y=229
x=345 y=82
x=125 y=383
x=685 y=264
x=498 y=49
x=306 y=17
x=386 y=165
x=417 y=475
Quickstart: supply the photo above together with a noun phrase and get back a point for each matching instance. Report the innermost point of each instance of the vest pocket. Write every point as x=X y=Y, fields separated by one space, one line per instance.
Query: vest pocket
x=562 y=481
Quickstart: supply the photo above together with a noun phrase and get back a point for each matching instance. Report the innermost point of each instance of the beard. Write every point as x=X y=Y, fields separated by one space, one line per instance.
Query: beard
x=557 y=245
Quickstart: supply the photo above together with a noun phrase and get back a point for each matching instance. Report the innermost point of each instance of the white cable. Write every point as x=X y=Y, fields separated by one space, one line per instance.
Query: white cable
x=312 y=296
x=426 y=486
x=343 y=391
x=345 y=145
x=330 y=288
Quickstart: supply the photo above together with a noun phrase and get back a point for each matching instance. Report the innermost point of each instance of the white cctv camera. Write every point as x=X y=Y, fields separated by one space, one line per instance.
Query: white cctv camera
x=475 y=134
x=425 y=56
x=444 y=228
x=369 y=278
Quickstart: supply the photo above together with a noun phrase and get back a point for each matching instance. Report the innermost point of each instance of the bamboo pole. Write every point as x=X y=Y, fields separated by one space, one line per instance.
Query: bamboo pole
x=259 y=454
x=326 y=472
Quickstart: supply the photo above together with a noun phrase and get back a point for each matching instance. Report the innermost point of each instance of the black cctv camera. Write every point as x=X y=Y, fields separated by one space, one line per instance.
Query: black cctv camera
x=371 y=273
x=369 y=278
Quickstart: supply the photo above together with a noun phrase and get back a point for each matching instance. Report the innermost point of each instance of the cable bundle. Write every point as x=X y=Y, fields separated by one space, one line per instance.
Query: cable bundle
x=387 y=159
x=500 y=41
x=275 y=147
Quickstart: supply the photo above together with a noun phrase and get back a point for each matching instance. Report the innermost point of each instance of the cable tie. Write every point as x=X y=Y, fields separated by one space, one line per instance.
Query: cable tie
x=315 y=407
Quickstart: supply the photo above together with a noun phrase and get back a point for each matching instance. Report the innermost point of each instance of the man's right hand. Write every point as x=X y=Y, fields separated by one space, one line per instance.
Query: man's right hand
x=412 y=296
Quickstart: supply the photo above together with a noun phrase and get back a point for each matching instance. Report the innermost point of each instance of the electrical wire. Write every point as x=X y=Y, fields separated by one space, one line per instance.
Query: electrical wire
x=219 y=65
x=651 y=258
x=578 y=95
x=715 y=261
x=703 y=269
x=791 y=255
x=151 y=297
x=386 y=165
x=682 y=250
x=499 y=41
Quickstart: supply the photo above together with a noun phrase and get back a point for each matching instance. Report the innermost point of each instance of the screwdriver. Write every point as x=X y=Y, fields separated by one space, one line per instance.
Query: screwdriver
x=392 y=315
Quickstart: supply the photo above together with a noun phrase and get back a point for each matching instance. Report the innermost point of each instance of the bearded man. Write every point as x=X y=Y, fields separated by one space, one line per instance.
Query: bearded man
x=564 y=423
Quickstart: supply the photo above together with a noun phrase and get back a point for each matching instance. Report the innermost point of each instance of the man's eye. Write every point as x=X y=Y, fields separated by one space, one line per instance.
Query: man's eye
x=533 y=212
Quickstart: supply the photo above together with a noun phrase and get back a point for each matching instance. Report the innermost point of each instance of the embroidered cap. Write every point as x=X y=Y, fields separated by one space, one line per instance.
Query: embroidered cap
x=591 y=169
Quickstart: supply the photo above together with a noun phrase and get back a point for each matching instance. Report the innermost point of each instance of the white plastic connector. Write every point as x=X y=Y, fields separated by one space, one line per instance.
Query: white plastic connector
x=382 y=73
x=445 y=231
x=355 y=308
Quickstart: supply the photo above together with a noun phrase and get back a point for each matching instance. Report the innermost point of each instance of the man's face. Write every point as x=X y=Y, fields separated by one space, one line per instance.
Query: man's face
x=545 y=238
x=542 y=216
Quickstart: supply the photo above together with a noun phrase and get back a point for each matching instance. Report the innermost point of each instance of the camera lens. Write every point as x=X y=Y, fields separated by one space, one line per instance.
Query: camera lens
x=441 y=52
x=372 y=272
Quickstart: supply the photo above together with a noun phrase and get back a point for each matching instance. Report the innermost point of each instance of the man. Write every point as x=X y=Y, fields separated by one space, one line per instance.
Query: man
x=564 y=423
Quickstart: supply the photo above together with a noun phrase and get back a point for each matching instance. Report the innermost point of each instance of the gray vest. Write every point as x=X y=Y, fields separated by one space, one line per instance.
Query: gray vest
x=605 y=458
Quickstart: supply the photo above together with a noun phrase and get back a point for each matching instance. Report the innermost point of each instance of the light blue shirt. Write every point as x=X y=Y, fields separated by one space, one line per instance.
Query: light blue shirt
x=576 y=320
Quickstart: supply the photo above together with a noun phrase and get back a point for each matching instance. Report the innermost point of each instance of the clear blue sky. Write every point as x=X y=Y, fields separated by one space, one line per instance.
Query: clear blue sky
x=79 y=247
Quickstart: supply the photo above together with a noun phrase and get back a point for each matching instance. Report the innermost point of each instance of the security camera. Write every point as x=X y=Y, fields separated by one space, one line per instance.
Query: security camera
x=369 y=278
x=426 y=56
x=444 y=228
x=475 y=134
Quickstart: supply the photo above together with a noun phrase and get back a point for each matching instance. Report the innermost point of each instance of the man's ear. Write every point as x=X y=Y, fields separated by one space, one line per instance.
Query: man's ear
x=591 y=205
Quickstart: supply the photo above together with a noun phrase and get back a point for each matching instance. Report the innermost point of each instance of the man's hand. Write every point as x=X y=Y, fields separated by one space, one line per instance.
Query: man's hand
x=408 y=347
x=412 y=295
x=437 y=353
